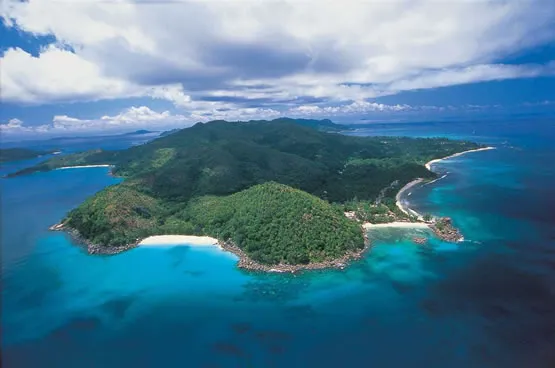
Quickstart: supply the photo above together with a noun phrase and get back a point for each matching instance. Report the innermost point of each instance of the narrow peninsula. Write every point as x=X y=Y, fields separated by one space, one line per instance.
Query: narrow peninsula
x=282 y=195
x=16 y=154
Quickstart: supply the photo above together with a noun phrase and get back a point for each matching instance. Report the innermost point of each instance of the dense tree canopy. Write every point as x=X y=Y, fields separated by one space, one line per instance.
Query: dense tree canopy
x=275 y=223
x=221 y=158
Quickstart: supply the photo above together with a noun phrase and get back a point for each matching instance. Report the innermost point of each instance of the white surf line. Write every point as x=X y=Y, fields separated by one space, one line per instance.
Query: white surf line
x=433 y=181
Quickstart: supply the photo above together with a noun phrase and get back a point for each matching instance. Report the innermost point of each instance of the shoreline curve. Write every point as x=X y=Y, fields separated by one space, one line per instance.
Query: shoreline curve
x=399 y=202
x=431 y=162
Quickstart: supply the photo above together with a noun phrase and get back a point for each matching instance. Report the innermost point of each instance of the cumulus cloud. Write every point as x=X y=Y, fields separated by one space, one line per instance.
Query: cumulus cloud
x=202 y=55
x=354 y=108
x=13 y=124
x=57 y=74
x=129 y=119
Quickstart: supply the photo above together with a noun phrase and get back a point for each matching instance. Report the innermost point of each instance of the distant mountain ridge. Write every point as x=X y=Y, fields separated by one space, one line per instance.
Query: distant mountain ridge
x=324 y=125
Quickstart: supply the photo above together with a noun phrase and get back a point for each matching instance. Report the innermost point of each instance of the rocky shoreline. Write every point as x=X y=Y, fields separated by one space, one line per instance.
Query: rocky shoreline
x=245 y=262
x=91 y=248
x=444 y=229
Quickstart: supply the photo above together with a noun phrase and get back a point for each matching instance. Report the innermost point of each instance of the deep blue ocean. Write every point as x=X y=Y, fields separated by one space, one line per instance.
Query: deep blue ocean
x=486 y=302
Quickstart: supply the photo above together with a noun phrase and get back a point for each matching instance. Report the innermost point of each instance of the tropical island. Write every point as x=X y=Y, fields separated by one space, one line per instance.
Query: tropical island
x=15 y=154
x=283 y=195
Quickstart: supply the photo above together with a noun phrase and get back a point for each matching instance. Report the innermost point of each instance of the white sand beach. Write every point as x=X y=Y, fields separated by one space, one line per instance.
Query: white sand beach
x=411 y=225
x=399 y=203
x=81 y=167
x=402 y=204
x=173 y=240
x=430 y=163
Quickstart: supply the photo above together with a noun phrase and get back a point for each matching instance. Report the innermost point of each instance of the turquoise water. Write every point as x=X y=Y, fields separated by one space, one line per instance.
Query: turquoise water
x=486 y=302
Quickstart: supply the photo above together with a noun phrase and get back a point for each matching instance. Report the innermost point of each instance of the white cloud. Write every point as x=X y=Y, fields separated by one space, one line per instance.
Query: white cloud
x=356 y=107
x=144 y=118
x=14 y=123
x=266 y=51
x=477 y=73
x=173 y=93
x=56 y=74
x=129 y=119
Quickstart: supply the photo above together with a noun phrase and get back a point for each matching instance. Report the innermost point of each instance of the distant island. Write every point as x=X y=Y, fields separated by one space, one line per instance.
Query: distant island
x=15 y=154
x=283 y=195
x=140 y=131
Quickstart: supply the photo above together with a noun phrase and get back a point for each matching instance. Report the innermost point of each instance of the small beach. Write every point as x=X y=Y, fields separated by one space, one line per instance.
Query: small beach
x=398 y=224
x=430 y=163
x=81 y=167
x=402 y=205
x=177 y=240
x=399 y=200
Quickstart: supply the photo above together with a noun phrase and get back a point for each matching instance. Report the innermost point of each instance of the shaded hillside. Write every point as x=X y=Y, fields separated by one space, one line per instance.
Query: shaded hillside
x=274 y=223
x=221 y=158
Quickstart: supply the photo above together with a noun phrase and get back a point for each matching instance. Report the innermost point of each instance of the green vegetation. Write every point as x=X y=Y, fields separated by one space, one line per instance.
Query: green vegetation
x=272 y=222
x=325 y=125
x=117 y=215
x=221 y=158
x=205 y=180
x=275 y=223
x=14 y=154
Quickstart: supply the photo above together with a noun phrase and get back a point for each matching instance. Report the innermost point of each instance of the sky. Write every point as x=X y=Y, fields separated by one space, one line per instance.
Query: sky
x=91 y=66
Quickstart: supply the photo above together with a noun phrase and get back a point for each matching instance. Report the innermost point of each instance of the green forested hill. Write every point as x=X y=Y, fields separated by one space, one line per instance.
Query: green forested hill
x=275 y=223
x=271 y=222
x=168 y=179
x=222 y=158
